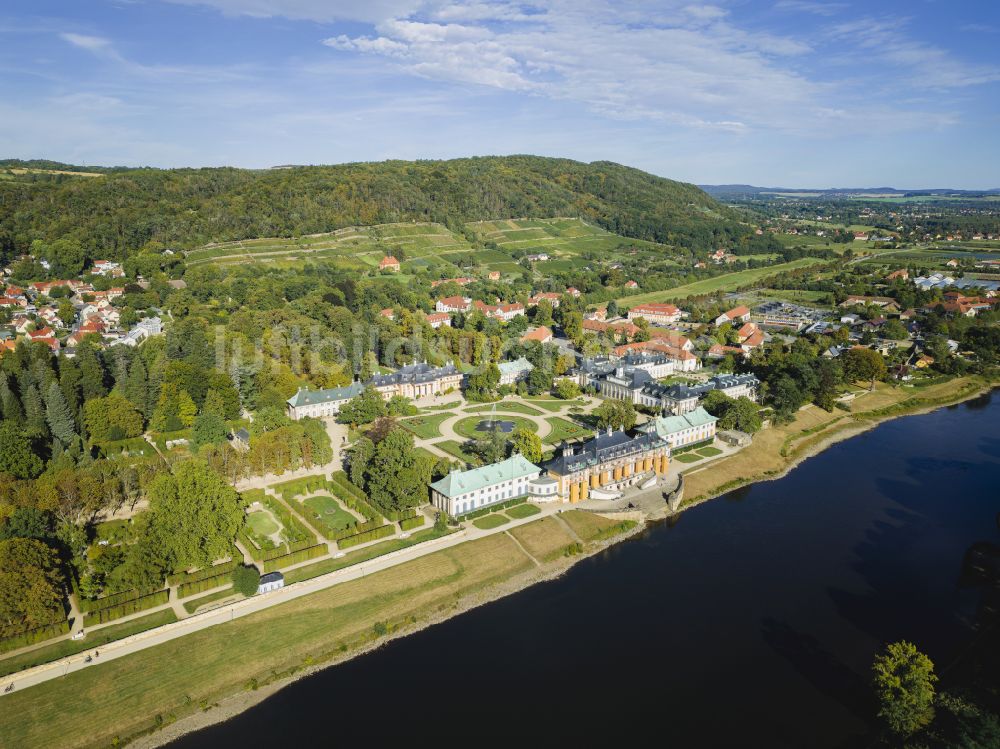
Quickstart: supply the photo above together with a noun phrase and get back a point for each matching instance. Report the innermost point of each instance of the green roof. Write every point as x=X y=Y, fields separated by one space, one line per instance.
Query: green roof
x=310 y=397
x=666 y=425
x=463 y=482
x=515 y=367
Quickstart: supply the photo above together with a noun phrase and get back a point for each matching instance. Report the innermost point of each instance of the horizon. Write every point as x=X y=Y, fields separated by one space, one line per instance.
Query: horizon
x=775 y=92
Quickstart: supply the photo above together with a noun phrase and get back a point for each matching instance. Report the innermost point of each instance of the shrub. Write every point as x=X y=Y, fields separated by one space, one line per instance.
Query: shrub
x=35 y=635
x=407 y=523
x=131 y=607
x=246 y=580
x=198 y=586
x=302 y=555
x=360 y=538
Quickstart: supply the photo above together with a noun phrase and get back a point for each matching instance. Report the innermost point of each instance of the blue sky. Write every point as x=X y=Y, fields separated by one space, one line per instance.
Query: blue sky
x=784 y=92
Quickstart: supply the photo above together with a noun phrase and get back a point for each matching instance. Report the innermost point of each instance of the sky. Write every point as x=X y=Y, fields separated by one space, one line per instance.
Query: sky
x=792 y=93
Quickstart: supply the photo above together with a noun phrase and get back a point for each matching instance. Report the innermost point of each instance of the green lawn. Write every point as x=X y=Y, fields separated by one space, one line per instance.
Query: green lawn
x=563 y=429
x=504 y=407
x=262 y=524
x=517 y=512
x=94 y=639
x=486 y=522
x=426 y=427
x=362 y=555
x=467 y=426
x=454 y=448
x=725 y=282
x=326 y=515
x=687 y=458
x=192 y=605
x=443 y=406
x=551 y=404
x=709 y=452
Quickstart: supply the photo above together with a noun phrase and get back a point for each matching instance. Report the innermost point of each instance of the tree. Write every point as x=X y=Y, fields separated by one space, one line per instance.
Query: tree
x=567 y=389
x=397 y=477
x=58 y=415
x=612 y=309
x=208 y=429
x=16 y=455
x=527 y=443
x=27 y=522
x=364 y=408
x=246 y=580
x=400 y=406
x=492 y=448
x=111 y=418
x=863 y=364
x=482 y=385
x=30 y=594
x=617 y=414
x=904 y=685
x=895 y=330
x=539 y=381
x=195 y=513
x=360 y=456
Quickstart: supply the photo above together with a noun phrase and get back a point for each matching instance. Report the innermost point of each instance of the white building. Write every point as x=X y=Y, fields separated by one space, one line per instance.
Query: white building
x=686 y=429
x=453 y=304
x=514 y=371
x=271 y=581
x=461 y=492
x=659 y=314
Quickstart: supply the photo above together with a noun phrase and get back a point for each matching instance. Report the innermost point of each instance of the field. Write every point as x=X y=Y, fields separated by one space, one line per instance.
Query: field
x=504 y=407
x=517 y=512
x=454 y=448
x=117 y=699
x=560 y=238
x=587 y=525
x=725 y=282
x=195 y=603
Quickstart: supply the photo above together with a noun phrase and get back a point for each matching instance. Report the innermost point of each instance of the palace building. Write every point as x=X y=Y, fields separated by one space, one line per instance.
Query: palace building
x=461 y=492
x=610 y=461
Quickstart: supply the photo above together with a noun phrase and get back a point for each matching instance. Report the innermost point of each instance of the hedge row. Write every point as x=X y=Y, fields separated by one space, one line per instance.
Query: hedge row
x=351 y=496
x=408 y=523
x=355 y=528
x=117 y=612
x=197 y=586
x=33 y=636
x=87 y=605
x=183 y=578
x=360 y=538
x=292 y=525
x=493 y=508
x=295 y=557
x=304 y=485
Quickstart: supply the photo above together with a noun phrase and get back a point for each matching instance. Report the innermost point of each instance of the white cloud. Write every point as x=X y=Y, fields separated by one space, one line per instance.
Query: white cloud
x=322 y=11
x=811 y=6
x=96 y=44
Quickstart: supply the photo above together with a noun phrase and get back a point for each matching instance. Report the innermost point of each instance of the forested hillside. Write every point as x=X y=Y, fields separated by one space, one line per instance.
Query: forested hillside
x=121 y=211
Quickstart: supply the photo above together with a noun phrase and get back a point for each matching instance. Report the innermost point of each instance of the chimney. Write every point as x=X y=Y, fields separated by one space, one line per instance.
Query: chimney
x=609 y=430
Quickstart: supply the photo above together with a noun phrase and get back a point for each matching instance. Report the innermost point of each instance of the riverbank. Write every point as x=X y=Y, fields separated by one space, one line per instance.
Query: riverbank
x=152 y=698
x=157 y=694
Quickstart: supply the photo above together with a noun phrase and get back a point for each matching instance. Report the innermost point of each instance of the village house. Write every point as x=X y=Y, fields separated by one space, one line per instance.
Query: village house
x=389 y=263
x=494 y=275
x=657 y=314
x=541 y=334
x=505 y=312
x=453 y=304
x=550 y=296
x=514 y=371
x=736 y=315
x=437 y=319
x=885 y=303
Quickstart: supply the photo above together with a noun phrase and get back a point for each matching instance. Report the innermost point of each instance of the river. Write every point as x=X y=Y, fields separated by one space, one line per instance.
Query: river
x=750 y=620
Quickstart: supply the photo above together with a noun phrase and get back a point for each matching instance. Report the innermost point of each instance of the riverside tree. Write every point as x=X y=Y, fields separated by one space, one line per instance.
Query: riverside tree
x=904 y=684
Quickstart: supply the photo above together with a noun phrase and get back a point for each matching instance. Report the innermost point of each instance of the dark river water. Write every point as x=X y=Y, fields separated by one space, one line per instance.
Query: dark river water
x=752 y=620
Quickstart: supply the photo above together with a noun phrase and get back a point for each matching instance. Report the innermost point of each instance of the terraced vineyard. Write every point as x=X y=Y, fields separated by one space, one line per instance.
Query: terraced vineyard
x=433 y=246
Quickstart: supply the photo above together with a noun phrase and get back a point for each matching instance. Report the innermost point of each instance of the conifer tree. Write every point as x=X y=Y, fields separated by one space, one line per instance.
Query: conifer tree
x=58 y=415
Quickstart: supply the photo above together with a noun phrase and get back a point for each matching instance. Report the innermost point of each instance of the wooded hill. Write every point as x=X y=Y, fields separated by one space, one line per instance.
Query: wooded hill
x=123 y=210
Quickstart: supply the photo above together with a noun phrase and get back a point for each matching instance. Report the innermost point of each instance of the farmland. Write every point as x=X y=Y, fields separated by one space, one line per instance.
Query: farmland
x=725 y=282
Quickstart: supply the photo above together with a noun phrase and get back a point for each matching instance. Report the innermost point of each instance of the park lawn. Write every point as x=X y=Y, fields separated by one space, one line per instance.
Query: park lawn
x=504 y=407
x=262 y=524
x=517 y=512
x=192 y=605
x=467 y=426
x=544 y=539
x=493 y=520
x=725 y=282
x=425 y=453
x=427 y=426
x=454 y=448
x=564 y=429
x=443 y=406
x=687 y=458
x=587 y=525
x=709 y=452
x=326 y=515
x=117 y=699
x=95 y=638
x=362 y=555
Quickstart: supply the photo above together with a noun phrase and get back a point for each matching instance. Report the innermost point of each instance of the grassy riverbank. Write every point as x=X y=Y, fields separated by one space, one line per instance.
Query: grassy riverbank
x=121 y=699
x=776 y=450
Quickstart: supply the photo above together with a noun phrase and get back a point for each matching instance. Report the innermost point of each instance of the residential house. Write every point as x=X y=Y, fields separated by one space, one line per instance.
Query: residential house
x=453 y=304
x=739 y=314
x=541 y=334
x=389 y=263
x=514 y=371
x=657 y=314
x=437 y=319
